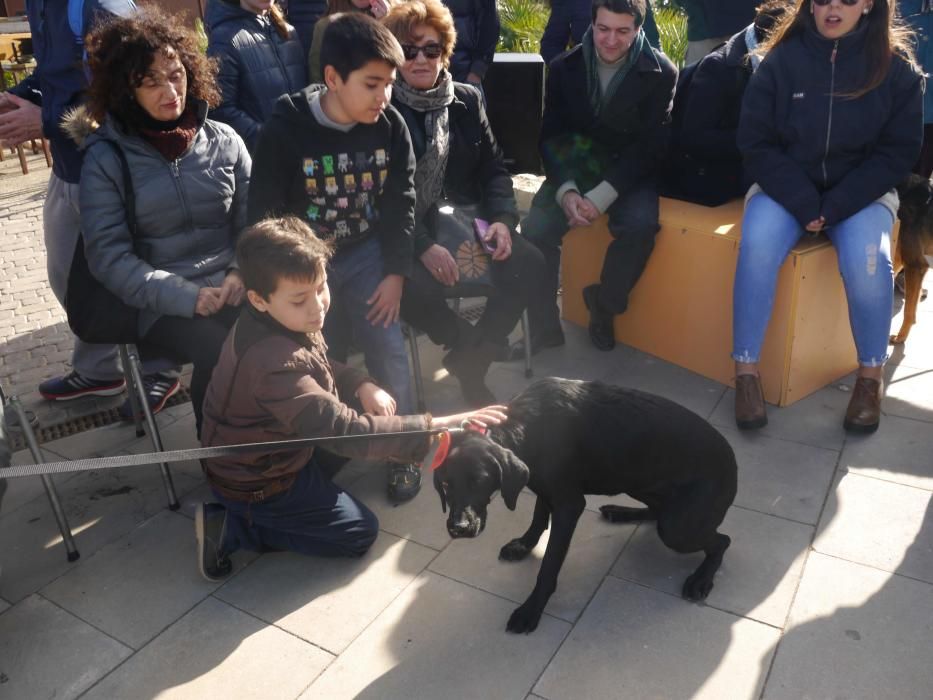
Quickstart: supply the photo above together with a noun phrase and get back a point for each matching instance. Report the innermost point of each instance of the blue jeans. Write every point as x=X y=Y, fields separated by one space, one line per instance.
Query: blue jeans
x=863 y=248
x=353 y=275
x=313 y=517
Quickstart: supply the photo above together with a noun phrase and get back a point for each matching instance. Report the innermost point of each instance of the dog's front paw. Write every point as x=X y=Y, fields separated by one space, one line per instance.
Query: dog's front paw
x=516 y=550
x=898 y=339
x=524 y=619
x=697 y=587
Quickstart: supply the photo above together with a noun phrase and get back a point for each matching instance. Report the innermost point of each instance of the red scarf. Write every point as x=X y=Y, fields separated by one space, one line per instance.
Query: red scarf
x=173 y=138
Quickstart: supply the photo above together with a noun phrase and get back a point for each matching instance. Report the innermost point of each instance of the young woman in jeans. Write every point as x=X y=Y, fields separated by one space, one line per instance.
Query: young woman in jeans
x=831 y=122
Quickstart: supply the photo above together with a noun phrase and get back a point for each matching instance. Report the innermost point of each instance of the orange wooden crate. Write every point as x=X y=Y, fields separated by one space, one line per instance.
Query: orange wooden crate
x=681 y=308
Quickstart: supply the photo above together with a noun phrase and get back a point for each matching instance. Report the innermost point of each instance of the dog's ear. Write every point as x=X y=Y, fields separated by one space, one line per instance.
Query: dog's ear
x=514 y=477
x=439 y=487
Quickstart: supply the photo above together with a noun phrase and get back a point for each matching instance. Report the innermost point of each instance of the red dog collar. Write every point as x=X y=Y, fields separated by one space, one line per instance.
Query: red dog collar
x=439 y=448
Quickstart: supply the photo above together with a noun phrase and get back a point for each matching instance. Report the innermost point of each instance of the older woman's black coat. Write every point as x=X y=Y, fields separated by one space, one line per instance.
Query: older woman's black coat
x=626 y=144
x=475 y=171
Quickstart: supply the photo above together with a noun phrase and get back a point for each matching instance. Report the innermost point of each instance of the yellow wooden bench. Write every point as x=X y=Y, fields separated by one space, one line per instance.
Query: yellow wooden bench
x=681 y=308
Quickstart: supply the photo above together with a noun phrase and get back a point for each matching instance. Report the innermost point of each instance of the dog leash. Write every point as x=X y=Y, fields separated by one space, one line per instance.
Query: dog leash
x=435 y=456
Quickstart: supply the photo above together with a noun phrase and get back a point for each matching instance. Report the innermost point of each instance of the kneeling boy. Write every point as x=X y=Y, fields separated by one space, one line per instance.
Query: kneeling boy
x=273 y=381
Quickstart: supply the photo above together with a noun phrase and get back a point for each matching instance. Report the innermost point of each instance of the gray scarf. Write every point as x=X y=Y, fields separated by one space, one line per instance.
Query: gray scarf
x=429 y=173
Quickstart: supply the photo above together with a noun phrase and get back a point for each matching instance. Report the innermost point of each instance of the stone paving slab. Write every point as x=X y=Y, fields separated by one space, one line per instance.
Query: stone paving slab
x=216 y=651
x=46 y=652
x=759 y=572
x=901 y=451
x=25 y=489
x=3 y=605
x=855 y=632
x=441 y=639
x=475 y=561
x=880 y=524
x=909 y=392
x=100 y=506
x=634 y=642
x=327 y=602
x=134 y=588
x=781 y=478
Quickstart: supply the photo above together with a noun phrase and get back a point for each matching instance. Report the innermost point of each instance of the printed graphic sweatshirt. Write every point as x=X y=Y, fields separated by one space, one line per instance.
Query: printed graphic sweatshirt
x=348 y=185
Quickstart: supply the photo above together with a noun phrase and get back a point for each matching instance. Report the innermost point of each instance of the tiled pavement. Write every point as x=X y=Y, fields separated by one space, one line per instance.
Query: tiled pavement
x=827 y=591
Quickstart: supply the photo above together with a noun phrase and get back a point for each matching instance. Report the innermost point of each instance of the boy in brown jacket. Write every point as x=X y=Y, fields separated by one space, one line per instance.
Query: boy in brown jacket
x=273 y=381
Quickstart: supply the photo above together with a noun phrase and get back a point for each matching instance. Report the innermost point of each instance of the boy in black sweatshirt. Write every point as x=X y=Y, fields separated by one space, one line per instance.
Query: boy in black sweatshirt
x=339 y=156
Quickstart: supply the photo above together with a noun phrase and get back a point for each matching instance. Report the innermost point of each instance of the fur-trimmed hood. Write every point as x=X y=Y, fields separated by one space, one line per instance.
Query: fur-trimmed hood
x=78 y=124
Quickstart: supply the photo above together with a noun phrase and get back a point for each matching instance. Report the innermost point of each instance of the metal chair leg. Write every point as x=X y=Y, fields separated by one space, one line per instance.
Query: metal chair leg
x=59 y=512
x=132 y=360
x=416 y=367
x=132 y=392
x=526 y=333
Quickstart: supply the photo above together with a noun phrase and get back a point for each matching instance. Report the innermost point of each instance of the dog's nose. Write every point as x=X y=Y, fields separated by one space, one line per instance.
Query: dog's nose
x=460 y=528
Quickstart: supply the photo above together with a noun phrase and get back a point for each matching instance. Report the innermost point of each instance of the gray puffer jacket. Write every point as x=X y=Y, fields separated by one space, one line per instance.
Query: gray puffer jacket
x=188 y=214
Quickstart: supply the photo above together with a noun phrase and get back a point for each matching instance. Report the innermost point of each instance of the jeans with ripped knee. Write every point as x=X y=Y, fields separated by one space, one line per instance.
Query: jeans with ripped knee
x=863 y=250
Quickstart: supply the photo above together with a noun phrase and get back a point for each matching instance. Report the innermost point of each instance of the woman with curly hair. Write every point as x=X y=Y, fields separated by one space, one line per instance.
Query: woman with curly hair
x=831 y=121
x=148 y=98
x=457 y=158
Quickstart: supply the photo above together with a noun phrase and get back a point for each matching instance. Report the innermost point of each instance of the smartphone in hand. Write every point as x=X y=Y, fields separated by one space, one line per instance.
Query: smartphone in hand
x=481 y=229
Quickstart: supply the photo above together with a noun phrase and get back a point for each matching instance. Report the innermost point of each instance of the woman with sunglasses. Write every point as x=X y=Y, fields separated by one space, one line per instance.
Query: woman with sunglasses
x=457 y=158
x=831 y=121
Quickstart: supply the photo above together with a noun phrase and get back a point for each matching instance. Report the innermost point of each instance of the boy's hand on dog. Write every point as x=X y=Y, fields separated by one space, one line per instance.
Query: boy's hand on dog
x=490 y=415
x=384 y=303
x=375 y=400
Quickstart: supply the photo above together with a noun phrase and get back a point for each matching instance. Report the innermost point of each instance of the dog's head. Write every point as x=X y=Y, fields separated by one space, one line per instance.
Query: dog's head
x=475 y=468
x=915 y=194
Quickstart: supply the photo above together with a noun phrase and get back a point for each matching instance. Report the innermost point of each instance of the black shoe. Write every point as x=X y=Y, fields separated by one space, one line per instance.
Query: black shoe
x=404 y=482
x=210 y=527
x=159 y=389
x=539 y=342
x=600 y=327
x=469 y=366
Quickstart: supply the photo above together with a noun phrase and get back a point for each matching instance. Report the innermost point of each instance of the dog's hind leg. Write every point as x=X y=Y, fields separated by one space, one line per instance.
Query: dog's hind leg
x=913 y=287
x=625 y=514
x=519 y=548
x=699 y=584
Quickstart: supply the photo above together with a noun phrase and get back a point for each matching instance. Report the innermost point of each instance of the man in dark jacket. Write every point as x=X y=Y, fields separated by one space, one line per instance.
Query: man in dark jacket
x=604 y=134
x=477 y=25
x=54 y=87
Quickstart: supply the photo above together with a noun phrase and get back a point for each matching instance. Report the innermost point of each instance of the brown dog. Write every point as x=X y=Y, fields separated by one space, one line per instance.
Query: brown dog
x=914 y=242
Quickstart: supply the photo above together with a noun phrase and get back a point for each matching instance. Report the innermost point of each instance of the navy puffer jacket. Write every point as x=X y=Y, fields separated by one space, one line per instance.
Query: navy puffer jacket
x=257 y=66
x=815 y=151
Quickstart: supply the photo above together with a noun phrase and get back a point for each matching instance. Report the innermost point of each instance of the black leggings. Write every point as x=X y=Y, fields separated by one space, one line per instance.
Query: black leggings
x=196 y=340
x=517 y=278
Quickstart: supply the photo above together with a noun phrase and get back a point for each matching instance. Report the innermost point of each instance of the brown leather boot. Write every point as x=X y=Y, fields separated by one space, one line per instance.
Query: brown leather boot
x=749 y=402
x=864 y=412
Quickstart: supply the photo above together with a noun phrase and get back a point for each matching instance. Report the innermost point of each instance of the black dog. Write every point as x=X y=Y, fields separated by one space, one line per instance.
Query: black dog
x=565 y=439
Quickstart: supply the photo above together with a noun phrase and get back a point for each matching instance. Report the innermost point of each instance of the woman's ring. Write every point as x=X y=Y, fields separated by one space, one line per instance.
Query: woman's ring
x=437 y=269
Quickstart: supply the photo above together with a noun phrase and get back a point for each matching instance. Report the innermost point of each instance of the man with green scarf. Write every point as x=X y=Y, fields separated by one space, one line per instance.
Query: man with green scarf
x=605 y=131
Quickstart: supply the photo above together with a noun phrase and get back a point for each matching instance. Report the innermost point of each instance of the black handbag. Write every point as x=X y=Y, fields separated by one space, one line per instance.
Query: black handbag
x=95 y=314
x=453 y=230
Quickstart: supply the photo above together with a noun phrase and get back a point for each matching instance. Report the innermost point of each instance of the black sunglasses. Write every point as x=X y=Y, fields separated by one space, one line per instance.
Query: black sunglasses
x=824 y=3
x=431 y=50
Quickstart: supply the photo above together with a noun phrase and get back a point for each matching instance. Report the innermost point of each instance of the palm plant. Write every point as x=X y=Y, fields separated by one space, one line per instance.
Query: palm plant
x=672 y=28
x=522 y=25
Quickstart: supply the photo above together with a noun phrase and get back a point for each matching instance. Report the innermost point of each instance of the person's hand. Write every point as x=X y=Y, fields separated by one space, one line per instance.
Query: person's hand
x=441 y=265
x=498 y=235
x=208 y=302
x=378 y=8
x=384 y=303
x=232 y=290
x=487 y=416
x=376 y=400
x=816 y=225
x=20 y=120
x=473 y=78
x=589 y=210
x=571 y=203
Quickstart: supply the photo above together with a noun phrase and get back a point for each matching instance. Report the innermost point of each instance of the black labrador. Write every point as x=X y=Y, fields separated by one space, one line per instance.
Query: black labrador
x=565 y=439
